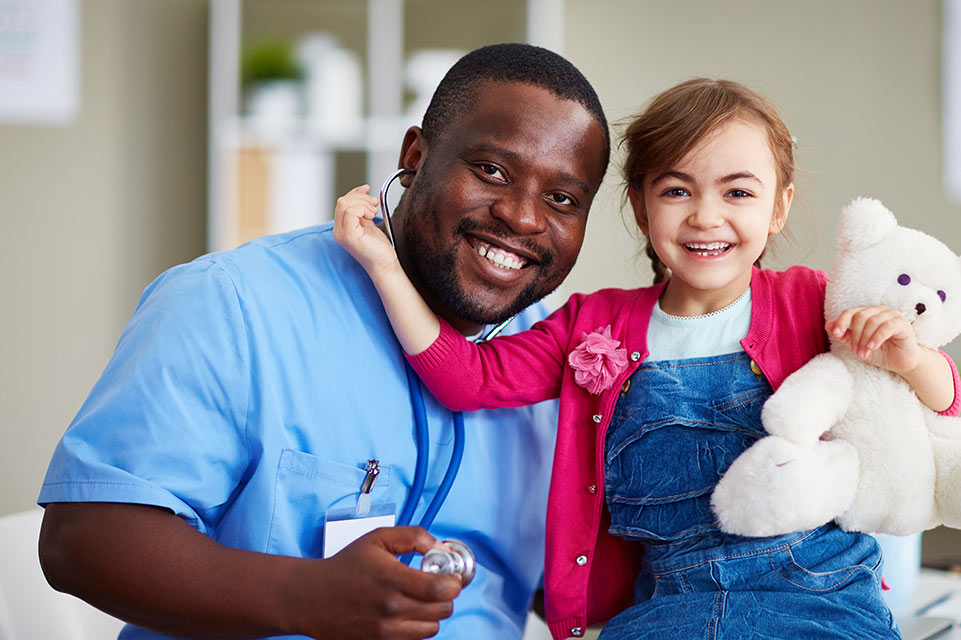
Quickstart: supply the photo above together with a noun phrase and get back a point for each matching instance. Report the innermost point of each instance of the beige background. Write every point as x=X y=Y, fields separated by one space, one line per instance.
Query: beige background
x=93 y=211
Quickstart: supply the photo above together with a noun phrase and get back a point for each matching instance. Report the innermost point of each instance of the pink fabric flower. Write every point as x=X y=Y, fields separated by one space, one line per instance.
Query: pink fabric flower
x=597 y=360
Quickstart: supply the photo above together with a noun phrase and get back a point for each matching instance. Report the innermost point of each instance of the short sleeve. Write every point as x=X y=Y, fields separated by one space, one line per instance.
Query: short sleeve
x=165 y=423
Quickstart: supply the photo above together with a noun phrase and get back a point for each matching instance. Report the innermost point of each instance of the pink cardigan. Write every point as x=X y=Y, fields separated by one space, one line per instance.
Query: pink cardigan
x=590 y=574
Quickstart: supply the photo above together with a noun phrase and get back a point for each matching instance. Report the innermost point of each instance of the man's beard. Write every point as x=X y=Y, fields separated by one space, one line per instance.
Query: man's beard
x=438 y=274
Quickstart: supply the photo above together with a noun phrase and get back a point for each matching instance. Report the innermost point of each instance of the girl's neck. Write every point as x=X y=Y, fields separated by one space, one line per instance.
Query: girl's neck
x=680 y=299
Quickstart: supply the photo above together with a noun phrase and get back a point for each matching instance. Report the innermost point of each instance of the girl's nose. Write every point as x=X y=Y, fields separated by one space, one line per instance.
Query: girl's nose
x=705 y=216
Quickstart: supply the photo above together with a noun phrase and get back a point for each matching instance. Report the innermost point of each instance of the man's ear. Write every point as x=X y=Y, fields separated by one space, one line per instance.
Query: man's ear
x=640 y=211
x=412 y=154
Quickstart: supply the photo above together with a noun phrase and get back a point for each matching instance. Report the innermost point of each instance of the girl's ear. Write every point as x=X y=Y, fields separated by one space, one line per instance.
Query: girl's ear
x=640 y=211
x=779 y=219
x=412 y=154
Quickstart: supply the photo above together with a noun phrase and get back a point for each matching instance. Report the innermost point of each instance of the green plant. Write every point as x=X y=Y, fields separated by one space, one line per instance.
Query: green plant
x=269 y=60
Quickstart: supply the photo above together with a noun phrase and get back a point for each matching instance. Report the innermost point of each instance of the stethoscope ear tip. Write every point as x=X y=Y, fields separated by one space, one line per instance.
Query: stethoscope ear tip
x=383 y=200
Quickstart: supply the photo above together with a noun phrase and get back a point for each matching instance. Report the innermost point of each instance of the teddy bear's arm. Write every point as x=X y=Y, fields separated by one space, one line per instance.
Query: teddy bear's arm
x=810 y=401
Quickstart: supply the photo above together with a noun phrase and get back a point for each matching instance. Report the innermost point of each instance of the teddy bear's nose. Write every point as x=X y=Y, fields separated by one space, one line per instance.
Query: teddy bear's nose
x=920 y=308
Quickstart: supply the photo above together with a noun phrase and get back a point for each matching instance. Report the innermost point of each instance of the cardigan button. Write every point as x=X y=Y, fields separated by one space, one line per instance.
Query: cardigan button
x=635 y=355
x=598 y=417
x=577 y=631
x=581 y=560
x=592 y=488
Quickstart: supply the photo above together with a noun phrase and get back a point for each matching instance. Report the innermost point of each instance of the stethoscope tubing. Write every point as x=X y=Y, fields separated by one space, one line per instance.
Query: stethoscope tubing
x=421 y=432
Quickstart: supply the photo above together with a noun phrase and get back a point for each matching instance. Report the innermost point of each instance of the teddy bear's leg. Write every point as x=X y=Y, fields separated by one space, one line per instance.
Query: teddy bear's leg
x=777 y=487
x=946 y=440
x=810 y=401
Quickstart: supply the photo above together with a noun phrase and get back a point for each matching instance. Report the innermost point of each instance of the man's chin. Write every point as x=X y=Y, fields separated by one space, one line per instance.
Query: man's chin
x=495 y=309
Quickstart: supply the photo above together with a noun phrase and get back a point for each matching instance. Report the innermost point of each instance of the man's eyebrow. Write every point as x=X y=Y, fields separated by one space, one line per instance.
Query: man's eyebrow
x=492 y=149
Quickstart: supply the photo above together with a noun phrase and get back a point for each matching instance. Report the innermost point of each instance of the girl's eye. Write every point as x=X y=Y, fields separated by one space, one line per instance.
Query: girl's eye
x=904 y=279
x=739 y=193
x=676 y=192
x=942 y=295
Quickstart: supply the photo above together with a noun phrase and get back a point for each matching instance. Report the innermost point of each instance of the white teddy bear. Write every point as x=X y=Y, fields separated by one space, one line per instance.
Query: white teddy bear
x=849 y=441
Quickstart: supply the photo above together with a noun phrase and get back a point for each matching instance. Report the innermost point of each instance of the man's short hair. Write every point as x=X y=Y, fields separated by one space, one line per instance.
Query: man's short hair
x=510 y=62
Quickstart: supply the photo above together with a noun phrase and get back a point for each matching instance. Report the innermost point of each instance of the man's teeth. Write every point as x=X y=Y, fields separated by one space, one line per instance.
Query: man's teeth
x=707 y=248
x=500 y=257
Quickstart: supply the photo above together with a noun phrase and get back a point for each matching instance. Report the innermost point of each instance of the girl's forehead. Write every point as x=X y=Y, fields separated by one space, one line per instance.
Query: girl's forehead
x=731 y=143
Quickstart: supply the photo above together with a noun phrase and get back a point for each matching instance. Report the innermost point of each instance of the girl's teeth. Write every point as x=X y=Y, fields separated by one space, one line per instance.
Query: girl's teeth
x=708 y=249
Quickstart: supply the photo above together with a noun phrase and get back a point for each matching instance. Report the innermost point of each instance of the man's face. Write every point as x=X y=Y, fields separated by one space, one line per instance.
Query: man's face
x=494 y=218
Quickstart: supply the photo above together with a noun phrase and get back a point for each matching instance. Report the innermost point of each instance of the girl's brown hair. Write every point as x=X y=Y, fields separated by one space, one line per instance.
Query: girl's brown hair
x=675 y=121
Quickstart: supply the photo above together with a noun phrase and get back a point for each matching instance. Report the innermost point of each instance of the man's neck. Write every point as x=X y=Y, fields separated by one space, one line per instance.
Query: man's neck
x=464 y=327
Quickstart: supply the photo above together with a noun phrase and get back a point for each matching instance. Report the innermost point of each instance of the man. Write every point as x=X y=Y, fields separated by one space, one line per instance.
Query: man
x=192 y=494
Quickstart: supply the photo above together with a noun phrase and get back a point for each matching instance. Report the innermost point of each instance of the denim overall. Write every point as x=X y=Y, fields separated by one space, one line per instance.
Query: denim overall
x=675 y=430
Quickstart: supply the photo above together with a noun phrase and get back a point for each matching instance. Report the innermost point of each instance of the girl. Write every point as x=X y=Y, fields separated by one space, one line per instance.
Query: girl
x=662 y=387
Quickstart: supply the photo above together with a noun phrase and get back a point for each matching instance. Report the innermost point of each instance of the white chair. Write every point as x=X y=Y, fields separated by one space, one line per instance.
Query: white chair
x=30 y=609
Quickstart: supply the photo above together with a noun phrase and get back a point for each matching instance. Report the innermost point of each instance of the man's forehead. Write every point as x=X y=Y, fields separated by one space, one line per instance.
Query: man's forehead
x=524 y=118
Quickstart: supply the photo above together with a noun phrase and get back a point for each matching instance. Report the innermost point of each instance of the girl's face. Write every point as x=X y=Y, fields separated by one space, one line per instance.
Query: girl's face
x=709 y=217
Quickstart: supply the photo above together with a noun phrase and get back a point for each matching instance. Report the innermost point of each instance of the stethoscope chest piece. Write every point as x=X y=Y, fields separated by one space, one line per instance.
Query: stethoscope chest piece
x=456 y=558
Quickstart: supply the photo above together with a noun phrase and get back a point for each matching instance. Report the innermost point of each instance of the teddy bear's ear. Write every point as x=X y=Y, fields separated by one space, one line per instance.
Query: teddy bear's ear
x=864 y=222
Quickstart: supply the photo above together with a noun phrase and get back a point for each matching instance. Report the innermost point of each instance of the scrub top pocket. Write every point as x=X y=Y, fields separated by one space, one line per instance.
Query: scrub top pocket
x=307 y=486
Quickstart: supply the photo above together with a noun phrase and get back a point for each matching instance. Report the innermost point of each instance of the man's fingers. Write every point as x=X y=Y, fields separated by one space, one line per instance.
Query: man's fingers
x=401 y=540
x=419 y=585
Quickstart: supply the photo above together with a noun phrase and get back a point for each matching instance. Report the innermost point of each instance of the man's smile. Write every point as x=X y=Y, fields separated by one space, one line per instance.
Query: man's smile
x=498 y=256
x=500 y=253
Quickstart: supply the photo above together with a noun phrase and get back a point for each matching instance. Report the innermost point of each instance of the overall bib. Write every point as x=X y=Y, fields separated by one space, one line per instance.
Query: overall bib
x=678 y=426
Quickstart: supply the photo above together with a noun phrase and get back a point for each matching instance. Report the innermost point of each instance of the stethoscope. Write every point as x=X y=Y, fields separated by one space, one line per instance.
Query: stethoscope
x=421 y=432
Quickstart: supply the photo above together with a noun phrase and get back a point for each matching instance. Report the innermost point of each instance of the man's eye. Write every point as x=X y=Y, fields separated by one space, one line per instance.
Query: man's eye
x=492 y=170
x=561 y=198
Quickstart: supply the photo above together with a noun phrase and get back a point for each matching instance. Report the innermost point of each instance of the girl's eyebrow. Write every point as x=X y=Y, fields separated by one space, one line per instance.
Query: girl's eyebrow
x=683 y=177
x=739 y=175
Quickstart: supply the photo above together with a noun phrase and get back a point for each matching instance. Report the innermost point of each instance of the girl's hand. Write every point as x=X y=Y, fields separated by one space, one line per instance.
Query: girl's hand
x=879 y=335
x=355 y=231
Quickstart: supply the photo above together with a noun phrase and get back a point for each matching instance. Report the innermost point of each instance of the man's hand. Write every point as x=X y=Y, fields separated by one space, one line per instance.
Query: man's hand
x=355 y=231
x=365 y=592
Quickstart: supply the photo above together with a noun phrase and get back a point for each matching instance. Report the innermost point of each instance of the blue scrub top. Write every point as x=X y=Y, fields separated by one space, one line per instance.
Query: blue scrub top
x=248 y=392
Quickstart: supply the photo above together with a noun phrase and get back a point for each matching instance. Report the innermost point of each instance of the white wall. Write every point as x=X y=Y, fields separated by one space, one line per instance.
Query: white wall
x=91 y=213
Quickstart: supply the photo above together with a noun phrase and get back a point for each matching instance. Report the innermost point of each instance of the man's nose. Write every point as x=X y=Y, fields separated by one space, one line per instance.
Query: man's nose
x=523 y=213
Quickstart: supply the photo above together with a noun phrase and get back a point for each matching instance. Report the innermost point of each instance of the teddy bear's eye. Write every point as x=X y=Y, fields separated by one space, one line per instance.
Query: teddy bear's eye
x=904 y=279
x=942 y=295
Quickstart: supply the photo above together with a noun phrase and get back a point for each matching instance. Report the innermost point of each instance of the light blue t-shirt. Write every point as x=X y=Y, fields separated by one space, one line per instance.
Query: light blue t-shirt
x=713 y=334
x=248 y=392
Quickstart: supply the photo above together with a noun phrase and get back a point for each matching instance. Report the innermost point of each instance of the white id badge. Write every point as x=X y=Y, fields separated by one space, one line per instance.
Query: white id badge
x=343 y=526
